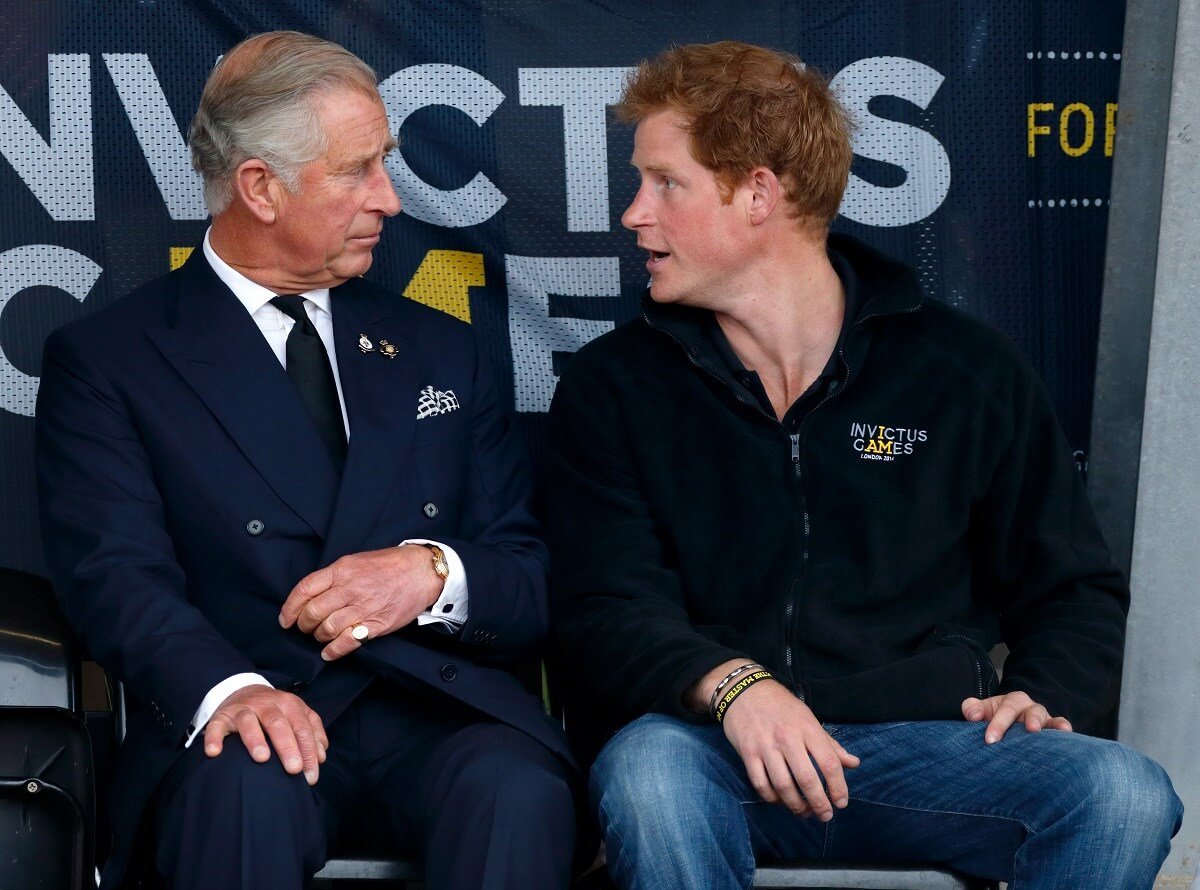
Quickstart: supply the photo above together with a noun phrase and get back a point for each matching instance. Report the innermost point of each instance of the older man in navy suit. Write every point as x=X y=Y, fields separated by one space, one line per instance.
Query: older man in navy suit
x=283 y=504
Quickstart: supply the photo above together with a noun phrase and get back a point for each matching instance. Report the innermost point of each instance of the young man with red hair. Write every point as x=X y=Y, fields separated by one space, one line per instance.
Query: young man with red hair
x=794 y=505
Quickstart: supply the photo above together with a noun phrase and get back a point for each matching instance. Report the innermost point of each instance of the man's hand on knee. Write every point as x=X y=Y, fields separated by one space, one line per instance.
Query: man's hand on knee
x=789 y=757
x=259 y=714
x=1002 y=711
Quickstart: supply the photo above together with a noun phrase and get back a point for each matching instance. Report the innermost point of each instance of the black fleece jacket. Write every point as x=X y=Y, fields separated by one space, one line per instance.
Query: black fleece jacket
x=927 y=507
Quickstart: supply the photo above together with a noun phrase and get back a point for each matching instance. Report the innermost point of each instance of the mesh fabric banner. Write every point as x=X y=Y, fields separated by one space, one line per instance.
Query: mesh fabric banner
x=983 y=156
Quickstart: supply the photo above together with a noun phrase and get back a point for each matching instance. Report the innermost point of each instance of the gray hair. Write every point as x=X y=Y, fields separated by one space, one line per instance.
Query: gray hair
x=258 y=103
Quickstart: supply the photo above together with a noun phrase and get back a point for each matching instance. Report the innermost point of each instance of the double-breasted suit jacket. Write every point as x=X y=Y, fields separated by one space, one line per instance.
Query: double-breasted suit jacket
x=184 y=492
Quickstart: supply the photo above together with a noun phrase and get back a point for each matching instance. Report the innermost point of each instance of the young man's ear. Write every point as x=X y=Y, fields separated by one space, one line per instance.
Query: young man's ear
x=258 y=188
x=765 y=193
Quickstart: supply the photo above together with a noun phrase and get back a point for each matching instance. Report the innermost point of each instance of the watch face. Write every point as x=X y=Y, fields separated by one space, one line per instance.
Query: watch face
x=439 y=563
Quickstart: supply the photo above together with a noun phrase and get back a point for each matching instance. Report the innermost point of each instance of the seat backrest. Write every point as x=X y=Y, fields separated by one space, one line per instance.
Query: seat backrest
x=39 y=657
x=47 y=803
x=47 y=782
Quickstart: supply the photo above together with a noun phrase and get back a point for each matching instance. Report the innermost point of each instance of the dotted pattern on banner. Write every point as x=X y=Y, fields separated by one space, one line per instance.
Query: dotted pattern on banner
x=35 y=266
x=535 y=333
x=1033 y=270
x=1067 y=56
x=555 y=160
x=1072 y=67
x=515 y=178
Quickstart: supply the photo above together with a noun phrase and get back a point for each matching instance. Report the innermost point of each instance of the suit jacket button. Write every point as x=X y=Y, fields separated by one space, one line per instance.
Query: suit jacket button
x=449 y=672
x=430 y=509
x=297 y=687
x=255 y=527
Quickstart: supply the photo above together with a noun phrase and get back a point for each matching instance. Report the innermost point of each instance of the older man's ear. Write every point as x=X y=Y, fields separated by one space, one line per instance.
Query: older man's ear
x=258 y=189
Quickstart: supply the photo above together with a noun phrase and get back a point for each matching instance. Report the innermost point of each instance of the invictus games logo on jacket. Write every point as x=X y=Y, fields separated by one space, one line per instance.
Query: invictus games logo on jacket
x=875 y=441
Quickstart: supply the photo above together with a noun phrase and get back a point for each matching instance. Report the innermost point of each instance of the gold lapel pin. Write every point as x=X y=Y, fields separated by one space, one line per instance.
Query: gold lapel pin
x=388 y=349
x=365 y=344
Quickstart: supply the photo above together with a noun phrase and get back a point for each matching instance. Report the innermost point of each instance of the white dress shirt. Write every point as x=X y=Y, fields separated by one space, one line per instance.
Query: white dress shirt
x=449 y=612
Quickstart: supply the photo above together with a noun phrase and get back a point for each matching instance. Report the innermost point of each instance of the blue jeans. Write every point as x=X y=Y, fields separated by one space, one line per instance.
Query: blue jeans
x=1038 y=810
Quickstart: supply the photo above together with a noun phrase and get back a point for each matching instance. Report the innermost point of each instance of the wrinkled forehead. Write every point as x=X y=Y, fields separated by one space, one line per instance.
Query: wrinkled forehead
x=352 y=114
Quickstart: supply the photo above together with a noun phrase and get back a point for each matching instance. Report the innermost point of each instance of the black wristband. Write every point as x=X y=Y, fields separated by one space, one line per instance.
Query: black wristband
x=737 y=689
x=720 y=687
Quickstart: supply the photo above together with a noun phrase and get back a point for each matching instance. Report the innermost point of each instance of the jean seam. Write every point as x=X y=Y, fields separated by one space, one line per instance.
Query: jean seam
x=608 y=832
x=941 y=812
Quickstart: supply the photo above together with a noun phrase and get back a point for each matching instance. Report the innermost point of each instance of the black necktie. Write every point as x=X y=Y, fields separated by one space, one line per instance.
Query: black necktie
x=308 y=369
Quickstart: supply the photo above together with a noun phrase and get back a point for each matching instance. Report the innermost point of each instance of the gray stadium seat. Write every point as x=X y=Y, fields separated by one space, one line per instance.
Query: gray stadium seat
x=816 y=876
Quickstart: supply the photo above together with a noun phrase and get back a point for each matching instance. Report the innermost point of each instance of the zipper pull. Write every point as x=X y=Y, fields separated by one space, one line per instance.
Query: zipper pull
x=795 y=437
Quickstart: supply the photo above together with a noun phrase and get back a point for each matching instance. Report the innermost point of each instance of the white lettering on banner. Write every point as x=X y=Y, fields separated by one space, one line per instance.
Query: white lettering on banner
x=584 y=94
x=535 y=335
x=34 y=265
x=58 y=172
x=163 y=146
x=417 y=87
x=921 y=156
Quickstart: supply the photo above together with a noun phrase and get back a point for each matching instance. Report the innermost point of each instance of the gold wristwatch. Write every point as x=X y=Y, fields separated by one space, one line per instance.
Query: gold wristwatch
x=439 y=561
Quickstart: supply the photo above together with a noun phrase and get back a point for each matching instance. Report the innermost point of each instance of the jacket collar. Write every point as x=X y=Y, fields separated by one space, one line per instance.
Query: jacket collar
x=214 y=344
x=883 y=287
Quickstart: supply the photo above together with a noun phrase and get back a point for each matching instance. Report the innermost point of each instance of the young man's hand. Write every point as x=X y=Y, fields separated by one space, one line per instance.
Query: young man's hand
x=1002 y=711
x=789 y=757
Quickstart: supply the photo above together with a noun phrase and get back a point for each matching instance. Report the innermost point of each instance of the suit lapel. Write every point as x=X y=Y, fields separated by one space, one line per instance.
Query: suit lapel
x=380 y=394
x=216 y=347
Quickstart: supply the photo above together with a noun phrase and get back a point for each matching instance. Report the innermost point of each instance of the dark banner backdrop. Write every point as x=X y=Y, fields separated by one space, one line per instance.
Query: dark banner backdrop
x=983 y=156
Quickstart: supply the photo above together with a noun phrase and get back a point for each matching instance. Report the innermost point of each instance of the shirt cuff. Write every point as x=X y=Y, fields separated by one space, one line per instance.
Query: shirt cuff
x=450 y=610
x=216 y=695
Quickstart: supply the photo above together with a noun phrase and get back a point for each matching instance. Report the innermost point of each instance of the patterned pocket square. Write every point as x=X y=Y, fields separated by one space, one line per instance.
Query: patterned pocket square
x=433 y=402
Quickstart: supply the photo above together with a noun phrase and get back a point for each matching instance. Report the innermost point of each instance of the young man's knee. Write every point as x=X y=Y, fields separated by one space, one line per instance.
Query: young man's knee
x=653 y=768
x=1129 y=791
x=654 y=746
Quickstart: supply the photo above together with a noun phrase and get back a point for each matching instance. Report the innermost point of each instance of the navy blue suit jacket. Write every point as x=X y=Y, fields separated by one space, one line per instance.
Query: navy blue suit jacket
x=184 y=492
